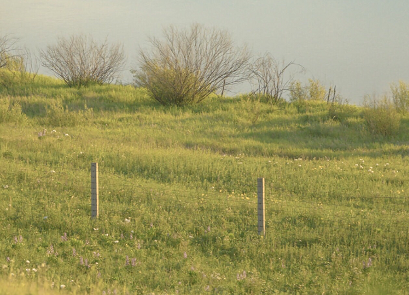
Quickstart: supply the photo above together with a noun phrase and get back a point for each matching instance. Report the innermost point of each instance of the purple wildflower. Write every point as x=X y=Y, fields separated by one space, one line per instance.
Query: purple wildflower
x=64 y=237
x=369 y=263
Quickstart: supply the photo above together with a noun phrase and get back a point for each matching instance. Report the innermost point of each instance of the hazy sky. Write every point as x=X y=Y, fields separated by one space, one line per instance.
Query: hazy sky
x=361 y=46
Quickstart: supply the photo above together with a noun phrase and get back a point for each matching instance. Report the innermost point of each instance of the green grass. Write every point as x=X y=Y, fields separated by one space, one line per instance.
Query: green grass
x=178 y=196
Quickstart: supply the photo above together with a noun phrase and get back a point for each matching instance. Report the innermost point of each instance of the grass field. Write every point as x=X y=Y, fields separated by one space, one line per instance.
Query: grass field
x=178 y=186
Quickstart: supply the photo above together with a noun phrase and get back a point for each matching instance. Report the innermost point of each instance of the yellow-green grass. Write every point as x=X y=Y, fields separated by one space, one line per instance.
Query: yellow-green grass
x=178 y=196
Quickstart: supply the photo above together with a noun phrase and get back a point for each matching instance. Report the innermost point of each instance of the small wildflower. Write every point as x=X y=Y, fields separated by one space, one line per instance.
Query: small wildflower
x=133 y=261
x=185 y=255
x=27 y=261
x=116 y=242
x=5 y=186
x=127 y=260
x=62 y=286
x=81 y=261
x=50 y=250
x=74 y=252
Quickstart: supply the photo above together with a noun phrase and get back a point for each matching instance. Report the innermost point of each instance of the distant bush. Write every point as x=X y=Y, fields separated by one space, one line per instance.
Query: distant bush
x=189 y=65
x=297 y=91
x=313 y=91
x=17 y=65
x=340 y=112
x=269 y=78
x=400 y=96
x=381 y=116
x=7 y=47
x=80 y=61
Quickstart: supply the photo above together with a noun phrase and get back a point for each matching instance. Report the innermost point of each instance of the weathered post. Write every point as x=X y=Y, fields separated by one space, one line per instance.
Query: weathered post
x=94 y=191
x=261 y=207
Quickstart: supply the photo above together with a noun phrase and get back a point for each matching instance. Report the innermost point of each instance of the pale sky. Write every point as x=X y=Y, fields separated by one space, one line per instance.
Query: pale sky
x=361 y=46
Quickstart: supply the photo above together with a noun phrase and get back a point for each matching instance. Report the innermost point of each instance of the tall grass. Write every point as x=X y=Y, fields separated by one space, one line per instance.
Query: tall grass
x=178 y=196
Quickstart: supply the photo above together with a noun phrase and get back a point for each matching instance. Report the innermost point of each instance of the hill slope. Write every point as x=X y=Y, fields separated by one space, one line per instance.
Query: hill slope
x=178 y=186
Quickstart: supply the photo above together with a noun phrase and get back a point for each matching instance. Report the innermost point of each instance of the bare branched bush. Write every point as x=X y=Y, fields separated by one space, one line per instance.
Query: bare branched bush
x=80 y=61
x=268 y=77
x=7 y=49
x=17 y=65
x=190 y=64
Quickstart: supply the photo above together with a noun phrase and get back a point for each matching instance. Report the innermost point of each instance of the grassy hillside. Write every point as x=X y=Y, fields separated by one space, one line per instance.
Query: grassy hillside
x=178 y=207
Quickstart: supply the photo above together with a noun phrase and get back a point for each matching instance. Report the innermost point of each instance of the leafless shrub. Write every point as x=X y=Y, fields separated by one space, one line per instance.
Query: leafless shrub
x=18 y=65
x=190 y=64
x=268 y=77
x=80 y=61
x=7 y=48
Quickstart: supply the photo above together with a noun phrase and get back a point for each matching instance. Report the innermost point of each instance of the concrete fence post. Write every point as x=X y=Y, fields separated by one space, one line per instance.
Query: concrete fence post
x=94 y=191
x=261 y=209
